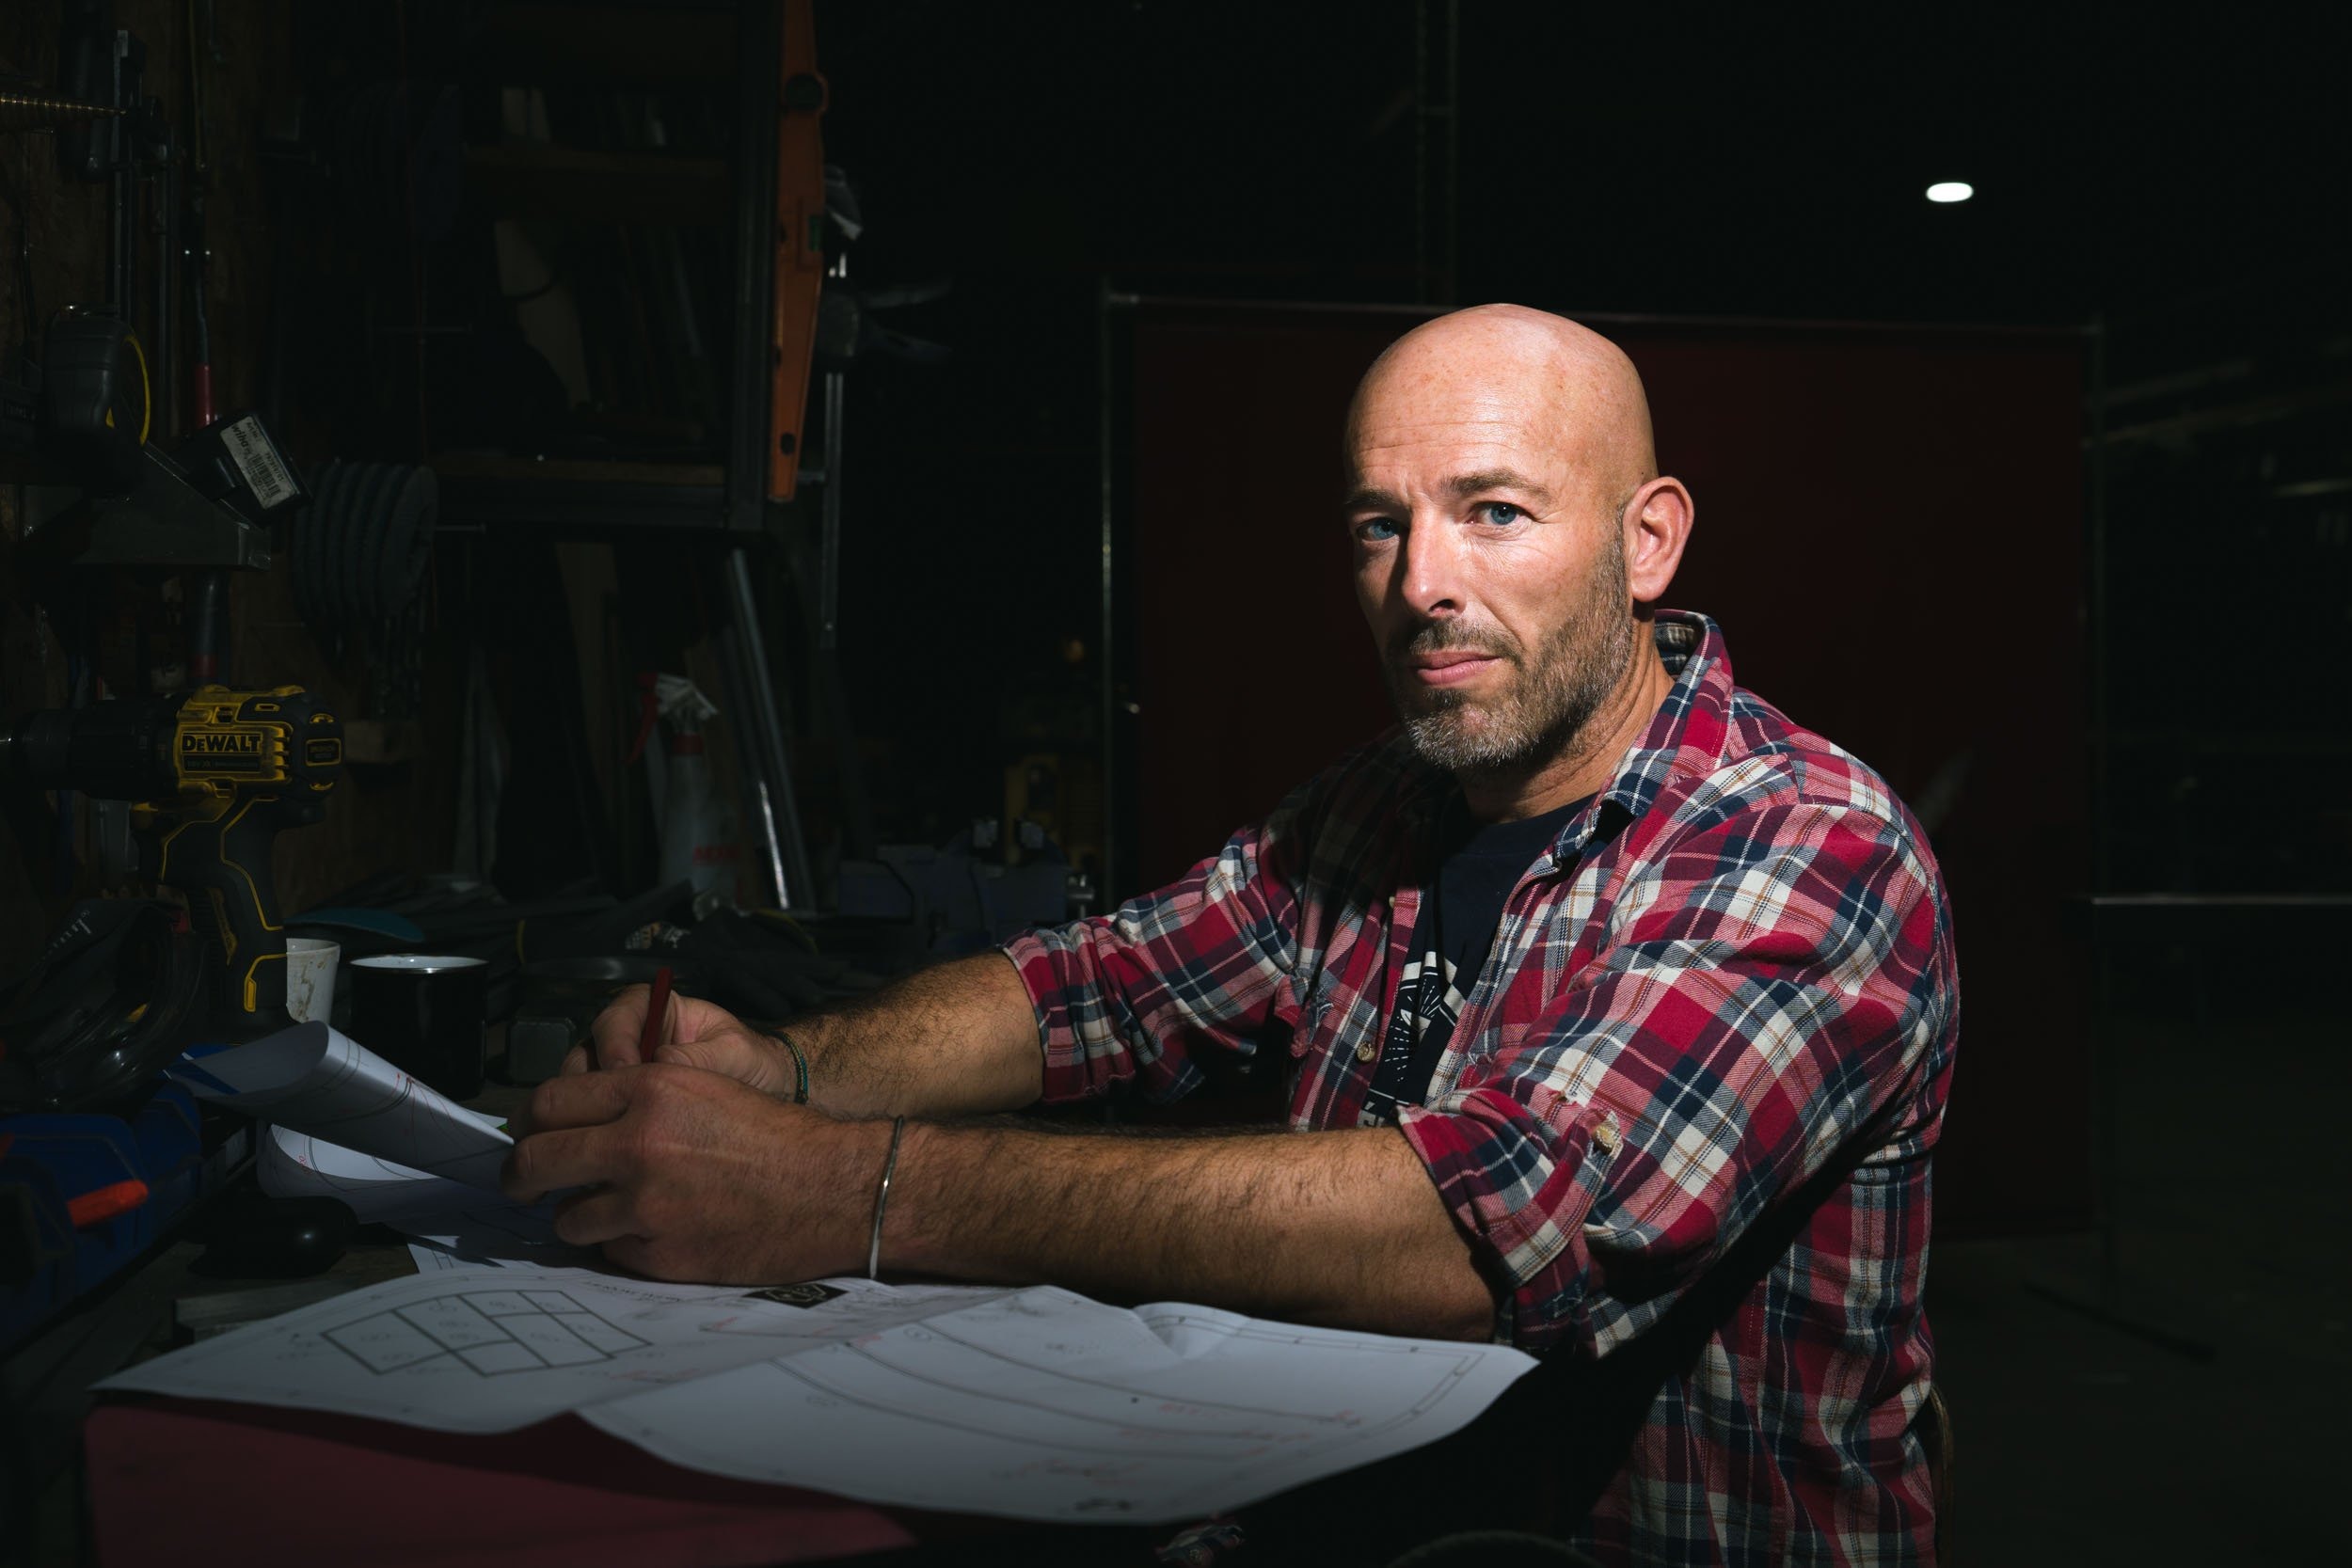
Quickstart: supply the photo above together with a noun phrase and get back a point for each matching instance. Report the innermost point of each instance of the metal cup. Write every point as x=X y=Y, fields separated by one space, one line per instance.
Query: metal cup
x=423 y=1013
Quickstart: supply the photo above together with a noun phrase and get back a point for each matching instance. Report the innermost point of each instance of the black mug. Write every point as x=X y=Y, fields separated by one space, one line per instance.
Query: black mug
x=423 y=1013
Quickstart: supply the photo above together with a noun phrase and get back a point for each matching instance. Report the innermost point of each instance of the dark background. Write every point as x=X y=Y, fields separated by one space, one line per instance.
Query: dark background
x=2132 y=558
x=1842 y=477
x=2169 y=187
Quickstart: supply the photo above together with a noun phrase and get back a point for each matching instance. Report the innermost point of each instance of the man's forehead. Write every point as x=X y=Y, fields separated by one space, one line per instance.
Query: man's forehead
x=1469 y=385
x=1502 y=394
x=1440 y=444
x=1499 y=388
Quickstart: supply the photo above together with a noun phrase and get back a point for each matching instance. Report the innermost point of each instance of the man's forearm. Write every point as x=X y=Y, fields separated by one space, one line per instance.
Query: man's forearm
x=1341 y=1228
x=959 y=1038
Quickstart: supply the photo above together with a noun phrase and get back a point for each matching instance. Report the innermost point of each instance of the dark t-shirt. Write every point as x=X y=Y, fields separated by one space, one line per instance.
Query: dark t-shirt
x=1479 y=864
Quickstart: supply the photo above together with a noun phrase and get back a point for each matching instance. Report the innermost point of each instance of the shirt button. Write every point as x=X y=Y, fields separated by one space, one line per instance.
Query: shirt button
x=1366 y=1051
x=1607 y=1136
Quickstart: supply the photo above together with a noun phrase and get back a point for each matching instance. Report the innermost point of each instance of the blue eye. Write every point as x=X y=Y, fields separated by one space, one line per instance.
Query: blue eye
x=1501 y=514
x=1374 y=529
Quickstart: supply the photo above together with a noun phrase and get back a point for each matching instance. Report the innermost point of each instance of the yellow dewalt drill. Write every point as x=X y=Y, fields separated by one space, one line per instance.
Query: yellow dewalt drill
x=214 y=776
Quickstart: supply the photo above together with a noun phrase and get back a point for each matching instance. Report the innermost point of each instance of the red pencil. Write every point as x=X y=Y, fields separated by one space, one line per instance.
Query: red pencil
x=657 y=1014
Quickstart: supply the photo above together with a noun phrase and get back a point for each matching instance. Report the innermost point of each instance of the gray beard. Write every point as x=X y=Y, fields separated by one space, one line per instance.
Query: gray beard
x=1539 y=717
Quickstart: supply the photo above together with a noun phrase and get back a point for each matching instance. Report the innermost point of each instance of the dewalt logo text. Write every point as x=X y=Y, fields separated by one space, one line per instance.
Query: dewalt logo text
x=214 y=744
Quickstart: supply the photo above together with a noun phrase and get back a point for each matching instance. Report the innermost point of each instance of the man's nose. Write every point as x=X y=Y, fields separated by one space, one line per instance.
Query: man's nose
x=1432 y=567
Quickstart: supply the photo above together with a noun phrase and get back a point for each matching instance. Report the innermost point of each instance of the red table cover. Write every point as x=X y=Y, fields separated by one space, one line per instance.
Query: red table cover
x=187 y=1480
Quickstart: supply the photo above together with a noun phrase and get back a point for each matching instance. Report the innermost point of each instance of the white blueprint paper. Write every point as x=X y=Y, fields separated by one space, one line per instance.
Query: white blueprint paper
x=1036 y=1403
x=1047 y=1406
x=296 y=1164
x=509 y=1236
x=313 y=1079
x=449 y=1215
x=479 y=1350
x=432 y=1260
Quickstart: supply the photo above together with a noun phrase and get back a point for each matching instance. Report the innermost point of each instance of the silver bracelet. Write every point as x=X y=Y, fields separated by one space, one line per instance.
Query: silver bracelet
x=881 y=1198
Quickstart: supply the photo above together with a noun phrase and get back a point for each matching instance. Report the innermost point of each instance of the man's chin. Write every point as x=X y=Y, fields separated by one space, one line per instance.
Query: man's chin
x=1427 y=709
x=1459 y=738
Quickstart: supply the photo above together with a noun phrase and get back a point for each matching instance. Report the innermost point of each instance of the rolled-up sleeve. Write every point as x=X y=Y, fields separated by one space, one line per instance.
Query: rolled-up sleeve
x=1200 y=967
x=1773 y=982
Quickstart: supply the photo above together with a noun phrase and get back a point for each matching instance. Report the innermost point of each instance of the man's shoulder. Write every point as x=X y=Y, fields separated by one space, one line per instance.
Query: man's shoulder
x=1810 y=766
x=1719 y=750
x=1767 y=761
x=1789 y=819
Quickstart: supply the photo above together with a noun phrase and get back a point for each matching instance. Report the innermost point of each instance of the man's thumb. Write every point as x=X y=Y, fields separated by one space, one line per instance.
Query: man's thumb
x=711 y=1053
x=731 y=1053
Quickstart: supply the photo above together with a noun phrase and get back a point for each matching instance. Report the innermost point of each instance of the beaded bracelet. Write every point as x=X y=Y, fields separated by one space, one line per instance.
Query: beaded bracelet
x=799 y=1065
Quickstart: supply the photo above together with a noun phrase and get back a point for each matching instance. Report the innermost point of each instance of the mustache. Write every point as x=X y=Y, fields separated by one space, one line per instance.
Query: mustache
x=1439 y=637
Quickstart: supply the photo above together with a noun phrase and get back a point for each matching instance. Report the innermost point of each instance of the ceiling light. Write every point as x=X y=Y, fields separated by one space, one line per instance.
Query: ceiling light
x=1950 y=190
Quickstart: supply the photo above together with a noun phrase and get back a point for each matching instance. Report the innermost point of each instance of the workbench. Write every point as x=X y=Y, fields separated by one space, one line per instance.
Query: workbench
x=134 y=1479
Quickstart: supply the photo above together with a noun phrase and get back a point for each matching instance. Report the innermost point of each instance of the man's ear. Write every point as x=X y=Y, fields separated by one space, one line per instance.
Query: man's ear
x=1656 y=524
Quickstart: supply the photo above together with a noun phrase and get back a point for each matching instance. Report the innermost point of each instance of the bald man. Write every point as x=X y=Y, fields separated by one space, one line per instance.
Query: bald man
x=1619 y=1012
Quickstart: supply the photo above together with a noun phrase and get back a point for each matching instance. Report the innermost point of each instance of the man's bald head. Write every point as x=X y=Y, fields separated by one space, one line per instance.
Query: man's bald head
x=1537 y=368
x=1511 y=530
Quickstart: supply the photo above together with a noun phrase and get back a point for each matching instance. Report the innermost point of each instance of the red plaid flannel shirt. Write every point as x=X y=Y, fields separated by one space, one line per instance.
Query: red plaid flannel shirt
x=1724 y=1005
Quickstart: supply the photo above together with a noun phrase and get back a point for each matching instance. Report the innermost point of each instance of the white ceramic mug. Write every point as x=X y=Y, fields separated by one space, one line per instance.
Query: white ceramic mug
x=310 y=978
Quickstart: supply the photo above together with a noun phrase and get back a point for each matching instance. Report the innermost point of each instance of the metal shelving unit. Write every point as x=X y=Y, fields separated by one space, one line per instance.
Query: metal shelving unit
x=574 y=499
x=726 y=504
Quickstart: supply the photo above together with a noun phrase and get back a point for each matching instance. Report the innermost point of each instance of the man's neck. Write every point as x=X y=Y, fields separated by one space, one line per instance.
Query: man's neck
x=1589 y=761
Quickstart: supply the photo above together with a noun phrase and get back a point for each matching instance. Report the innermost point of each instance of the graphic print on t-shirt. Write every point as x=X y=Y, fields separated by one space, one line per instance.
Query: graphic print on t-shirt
x=1480 y=863
x=1417 y=1017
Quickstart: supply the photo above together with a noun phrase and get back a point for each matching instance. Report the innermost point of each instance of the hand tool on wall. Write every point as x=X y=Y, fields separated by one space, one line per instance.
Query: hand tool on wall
x=195 y=249
x=86 y=412
x=101 y=63
x=208 y=592
x=214 y=776
x=93 y=404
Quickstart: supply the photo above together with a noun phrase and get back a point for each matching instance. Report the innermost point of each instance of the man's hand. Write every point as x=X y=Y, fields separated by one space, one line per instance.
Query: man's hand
x=693 y=1176
x=699 y=1034
x=957 y=1039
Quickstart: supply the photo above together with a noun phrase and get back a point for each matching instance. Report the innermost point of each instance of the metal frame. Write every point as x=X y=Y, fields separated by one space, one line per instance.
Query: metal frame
x=761 y=36
x=761 y=745
x=736 y=508
x=737 y=505
x=1106 y=397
